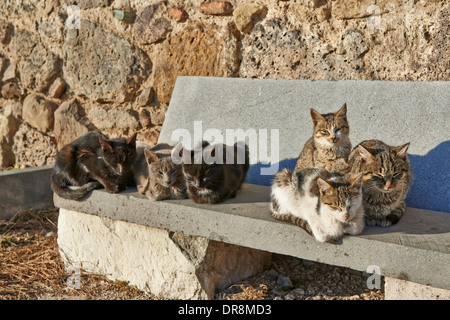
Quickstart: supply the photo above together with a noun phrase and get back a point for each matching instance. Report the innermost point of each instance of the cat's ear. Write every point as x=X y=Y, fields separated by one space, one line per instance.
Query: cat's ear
x=402 y=150
x=325 y=187
x=342 y=112
x=365 y=154
x=131 y=141
x=150 y=156
x=315 y=116
x=355 y=181
x=107 y=145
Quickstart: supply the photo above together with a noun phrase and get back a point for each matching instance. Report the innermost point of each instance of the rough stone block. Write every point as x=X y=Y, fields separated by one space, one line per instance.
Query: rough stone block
x=38 y=112
x=167 y=264
x=119 y=66
x=246 y=15
x=397 y=289
x=70 y=122
x=149 y=26
x=198 y=50
x=33 y=148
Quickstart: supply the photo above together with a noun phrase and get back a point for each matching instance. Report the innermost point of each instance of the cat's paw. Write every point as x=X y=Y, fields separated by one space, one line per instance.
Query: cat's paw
x=378 y=222
x=112 y=189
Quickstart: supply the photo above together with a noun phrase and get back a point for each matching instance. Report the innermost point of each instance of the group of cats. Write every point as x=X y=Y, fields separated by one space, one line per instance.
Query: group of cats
x=93 y=161
x=335 y=190
x=332 y=191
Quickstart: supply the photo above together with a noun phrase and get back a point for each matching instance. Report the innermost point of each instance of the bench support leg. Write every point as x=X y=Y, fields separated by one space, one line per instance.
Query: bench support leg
x=167 y=264
x=396 y=289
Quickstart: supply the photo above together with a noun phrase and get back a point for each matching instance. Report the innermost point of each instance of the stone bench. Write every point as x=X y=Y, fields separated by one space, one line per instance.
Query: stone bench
x=25 y=189
x=182 y=250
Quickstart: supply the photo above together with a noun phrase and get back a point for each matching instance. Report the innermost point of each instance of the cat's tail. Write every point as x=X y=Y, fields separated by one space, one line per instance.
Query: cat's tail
x=66 y=192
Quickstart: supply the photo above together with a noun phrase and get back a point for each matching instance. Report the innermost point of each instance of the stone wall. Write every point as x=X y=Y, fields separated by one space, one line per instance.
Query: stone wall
x=65 y=70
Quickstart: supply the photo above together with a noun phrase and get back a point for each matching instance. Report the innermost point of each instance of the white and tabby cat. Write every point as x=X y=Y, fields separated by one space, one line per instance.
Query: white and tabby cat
x=325 y=204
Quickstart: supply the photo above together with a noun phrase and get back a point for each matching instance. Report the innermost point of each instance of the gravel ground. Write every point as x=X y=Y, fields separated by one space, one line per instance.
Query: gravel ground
x=290 y=278
x=31 y=269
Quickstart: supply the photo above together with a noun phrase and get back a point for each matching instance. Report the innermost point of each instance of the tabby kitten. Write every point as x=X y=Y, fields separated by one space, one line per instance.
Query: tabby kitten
x=217 y=181
x=156 y=174
x=386 y=181
x=325 y=204
x=92 y=161
x=330 y=145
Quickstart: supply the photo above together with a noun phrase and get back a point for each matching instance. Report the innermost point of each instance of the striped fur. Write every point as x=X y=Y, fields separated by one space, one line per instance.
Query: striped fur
x=387 y=177
x=326 y=205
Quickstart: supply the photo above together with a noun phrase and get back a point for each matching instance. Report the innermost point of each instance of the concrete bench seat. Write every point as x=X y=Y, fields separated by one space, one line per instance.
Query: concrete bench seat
x=416 y=249
x=109 y=232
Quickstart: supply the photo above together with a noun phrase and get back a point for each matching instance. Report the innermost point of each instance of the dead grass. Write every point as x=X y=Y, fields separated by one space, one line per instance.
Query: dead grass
x=249 y=292
x=31 y=267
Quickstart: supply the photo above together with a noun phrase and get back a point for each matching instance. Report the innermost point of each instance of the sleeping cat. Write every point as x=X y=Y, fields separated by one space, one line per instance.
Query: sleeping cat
x=330 y=145
x=155 y=173
x=92 y=161
x=214 y=182
x=325 y=204
x=386 y=180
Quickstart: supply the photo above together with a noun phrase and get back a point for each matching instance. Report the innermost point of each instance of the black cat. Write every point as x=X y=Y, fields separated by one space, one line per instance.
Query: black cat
x=92 y=161
x=215 y=182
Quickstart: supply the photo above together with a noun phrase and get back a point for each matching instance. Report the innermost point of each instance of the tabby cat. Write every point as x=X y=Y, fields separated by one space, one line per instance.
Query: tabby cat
x=156 y=174
x=327 y=205
x=92 y=161
x=330 y=145
x=386 y=181
x=217 y=181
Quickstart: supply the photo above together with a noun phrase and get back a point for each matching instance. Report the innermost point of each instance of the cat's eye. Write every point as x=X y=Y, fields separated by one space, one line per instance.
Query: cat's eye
x=160 y=172
x=324 y=131
x=338 y=129
x=397 y=174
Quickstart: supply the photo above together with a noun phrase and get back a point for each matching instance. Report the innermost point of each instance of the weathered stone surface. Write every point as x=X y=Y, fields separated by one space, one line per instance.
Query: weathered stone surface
x=157 y=115
x=5 y=31
x=10 y=72
x=396 y=289
x=169 y=265
x=349 y=58
x=70 y=123
x=145 y=118
x=310 y=15
x=33 y=148
x=197 y=50
x=348 y=9
x=37 y=65
x=8 y=127
x=178 y=14
x=89 y=4
x=246 y=15
x=38 y=112
x=114 y=118
x=146 y=97
x=12 y=90
x=150 y=27
x=57 y=88
x=119 y=66
x=272 y=51
x=218 y=8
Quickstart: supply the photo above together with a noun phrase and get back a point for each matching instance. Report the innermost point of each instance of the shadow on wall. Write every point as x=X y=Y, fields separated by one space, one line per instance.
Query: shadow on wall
x=431 y=179
x=430 y=188
x=254 y=172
